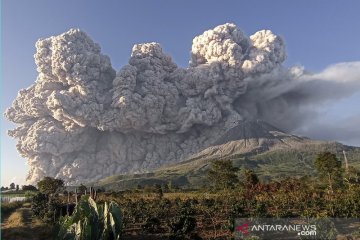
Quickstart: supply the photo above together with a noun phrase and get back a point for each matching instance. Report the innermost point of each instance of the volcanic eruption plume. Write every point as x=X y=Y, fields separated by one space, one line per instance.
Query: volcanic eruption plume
x=82 y=121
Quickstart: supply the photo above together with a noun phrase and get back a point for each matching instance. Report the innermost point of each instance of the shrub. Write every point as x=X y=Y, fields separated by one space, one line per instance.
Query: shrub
x=184 y=223
x=152 y=225
x=39 y=205
x=46 y=208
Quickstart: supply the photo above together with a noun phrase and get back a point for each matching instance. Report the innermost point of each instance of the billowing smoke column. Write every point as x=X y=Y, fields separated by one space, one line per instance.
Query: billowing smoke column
x=82 y=121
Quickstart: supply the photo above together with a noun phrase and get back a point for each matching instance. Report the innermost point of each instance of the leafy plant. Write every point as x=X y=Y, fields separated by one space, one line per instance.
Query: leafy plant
x=46 y=208
x=92 y=221
x=184 y=223
x=39 y=204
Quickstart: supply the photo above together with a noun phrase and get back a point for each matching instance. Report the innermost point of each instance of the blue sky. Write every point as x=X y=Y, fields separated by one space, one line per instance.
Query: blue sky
x=317 y=34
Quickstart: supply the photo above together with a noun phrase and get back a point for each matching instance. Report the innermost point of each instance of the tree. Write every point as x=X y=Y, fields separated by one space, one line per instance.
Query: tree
x=82 y=188
x=223 y=174
x=17 y=187
x=28 y=188
x=250 y=178
x=329 y=168
x=158 y=190
x=166 y=187
x=49 y=185
x=12 y=185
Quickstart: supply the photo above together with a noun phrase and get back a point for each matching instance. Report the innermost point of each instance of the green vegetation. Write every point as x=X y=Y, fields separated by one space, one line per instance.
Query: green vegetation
x=250 y=178
x=268 y=166
x=46 y=208
x=329 y=168
x=50 y=185
x=92 y=221
x=7 y=208
x=21 y=225
x=15 y=189
x=45 y=205
x=82 y=188
x=28 y=188
x=223 y=174
x=168 y=209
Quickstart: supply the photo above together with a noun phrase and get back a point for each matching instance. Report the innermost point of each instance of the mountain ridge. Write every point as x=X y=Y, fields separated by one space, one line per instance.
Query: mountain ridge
x=271 y=152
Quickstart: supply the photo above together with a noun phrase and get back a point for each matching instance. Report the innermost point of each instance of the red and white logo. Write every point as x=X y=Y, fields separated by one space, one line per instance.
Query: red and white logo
x=243 y=228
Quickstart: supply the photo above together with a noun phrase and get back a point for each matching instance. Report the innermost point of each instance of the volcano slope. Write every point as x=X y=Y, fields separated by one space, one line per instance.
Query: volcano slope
x=256 y=145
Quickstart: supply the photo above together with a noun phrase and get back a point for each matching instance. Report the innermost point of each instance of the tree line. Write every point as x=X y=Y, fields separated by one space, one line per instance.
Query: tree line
x=174 y=213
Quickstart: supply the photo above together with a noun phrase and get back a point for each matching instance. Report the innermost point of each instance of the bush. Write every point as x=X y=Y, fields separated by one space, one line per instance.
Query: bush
x=46 y=208
x=39 y=205
x=152 y=225
x=184 y=223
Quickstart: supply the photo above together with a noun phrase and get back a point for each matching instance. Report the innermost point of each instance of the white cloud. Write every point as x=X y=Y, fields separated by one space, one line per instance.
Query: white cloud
x=81 y=121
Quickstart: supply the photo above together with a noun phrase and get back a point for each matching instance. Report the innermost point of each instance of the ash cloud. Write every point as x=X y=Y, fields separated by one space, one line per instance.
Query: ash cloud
x=346 y=129
x=82 y=121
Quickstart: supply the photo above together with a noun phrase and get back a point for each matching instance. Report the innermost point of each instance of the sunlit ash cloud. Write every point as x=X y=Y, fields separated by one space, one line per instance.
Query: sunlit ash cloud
x=82 y=121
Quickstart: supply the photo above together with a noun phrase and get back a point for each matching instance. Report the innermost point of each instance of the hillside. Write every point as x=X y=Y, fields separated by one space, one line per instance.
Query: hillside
x=271 y=153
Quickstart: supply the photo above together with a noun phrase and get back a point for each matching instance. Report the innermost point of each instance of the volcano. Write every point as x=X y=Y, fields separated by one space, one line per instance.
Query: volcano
x=253 y=137
x=257 y=145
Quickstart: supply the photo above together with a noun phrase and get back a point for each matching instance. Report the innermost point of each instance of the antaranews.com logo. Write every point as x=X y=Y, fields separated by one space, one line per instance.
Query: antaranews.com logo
x=295 y=228
x=303 y=230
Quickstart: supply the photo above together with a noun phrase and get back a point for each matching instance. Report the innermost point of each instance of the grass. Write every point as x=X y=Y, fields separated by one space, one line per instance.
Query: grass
x=16 y=219
x=8 y=208
x=21 y=225
x=11 y=195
